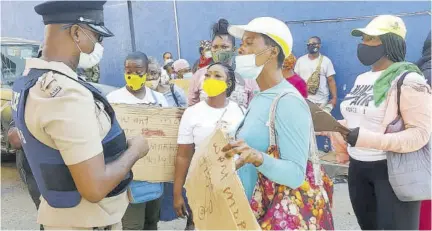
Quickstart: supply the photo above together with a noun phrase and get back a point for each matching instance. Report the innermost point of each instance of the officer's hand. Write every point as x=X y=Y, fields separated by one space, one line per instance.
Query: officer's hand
x=179 y=206
x=13 y=138
x=139 y=144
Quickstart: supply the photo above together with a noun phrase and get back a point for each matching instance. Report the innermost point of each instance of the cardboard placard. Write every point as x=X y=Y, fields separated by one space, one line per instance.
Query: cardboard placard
x=160 y=126
x=182 y=83
x=324 y=121
x=215 y=193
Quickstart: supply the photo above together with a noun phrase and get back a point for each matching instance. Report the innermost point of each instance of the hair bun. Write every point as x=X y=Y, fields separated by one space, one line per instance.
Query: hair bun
x=221 y=27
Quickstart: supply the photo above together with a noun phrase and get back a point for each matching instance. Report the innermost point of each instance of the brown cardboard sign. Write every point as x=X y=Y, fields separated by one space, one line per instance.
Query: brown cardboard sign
x=182 y=83
x=215 y=193
x=160 y=126
x=323 y=121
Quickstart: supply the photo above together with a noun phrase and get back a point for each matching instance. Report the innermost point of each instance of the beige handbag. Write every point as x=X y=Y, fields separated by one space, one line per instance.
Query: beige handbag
x=313 y=82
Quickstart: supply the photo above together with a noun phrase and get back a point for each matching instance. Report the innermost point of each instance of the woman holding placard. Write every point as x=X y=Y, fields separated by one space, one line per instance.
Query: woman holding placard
x=285 y=190
x=200 y=120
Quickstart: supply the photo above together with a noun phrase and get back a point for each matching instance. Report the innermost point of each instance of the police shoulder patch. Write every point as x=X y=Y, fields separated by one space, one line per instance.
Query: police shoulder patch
x=49 y=84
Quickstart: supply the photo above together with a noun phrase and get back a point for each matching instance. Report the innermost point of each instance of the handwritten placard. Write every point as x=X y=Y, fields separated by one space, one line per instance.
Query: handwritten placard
x=182 y=83
x=214 y=190
x=160 y=126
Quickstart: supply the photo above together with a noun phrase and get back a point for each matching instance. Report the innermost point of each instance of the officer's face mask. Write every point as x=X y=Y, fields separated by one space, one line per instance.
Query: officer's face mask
x=92 y=59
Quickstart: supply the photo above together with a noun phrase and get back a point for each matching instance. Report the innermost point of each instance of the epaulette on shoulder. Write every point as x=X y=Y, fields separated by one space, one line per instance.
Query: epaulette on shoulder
x=49 y=84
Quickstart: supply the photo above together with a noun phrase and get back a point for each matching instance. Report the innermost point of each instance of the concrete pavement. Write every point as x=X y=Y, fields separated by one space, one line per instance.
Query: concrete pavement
x=19 y=212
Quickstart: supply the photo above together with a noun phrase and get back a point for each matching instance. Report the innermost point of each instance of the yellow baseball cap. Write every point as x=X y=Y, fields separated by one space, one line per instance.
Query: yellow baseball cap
x=274 y=28
x=383 y=24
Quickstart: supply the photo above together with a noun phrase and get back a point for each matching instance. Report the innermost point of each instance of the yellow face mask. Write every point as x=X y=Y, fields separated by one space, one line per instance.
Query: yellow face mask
x=214 y=87
x=134 y=81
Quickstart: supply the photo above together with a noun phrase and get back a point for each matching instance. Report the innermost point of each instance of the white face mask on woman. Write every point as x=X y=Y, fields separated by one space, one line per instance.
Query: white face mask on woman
x=187 y=75
x=153 y=84
x=92 y=59
x=208 y=54
x=246 y=65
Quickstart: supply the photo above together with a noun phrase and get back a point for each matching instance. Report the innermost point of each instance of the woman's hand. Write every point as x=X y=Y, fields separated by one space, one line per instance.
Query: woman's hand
x=247 y=154
x=179 y=206
x=352 y=136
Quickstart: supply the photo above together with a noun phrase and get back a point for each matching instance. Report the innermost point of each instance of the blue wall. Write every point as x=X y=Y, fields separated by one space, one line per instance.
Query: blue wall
x=155 y=28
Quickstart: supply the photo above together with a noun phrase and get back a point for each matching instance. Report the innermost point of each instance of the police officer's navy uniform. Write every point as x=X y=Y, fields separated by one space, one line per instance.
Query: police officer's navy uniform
x=64 y=121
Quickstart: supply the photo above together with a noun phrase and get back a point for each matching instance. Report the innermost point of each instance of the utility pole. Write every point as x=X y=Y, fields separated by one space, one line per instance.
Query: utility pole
x=131 y=25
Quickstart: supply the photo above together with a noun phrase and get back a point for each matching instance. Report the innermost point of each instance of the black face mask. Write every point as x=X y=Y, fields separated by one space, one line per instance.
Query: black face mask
x=368 y=55
x=313 y=49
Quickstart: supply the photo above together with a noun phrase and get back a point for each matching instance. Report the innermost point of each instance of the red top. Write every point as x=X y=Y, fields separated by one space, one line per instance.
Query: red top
x=204 y=62
x=299 y=83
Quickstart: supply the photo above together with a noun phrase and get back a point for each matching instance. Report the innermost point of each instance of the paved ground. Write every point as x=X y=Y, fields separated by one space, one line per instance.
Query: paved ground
x=18 y=211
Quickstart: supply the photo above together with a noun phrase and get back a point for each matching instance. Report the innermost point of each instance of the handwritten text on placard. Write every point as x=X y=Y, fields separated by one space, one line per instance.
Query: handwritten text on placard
x=160 y=126
x=214 y=190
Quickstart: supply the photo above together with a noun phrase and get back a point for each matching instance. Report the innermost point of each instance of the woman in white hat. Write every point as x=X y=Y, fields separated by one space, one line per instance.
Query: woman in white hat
x=265 y=44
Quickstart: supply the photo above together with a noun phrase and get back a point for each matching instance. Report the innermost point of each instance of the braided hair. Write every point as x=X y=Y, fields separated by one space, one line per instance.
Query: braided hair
x=231 y=79
x=394 y=46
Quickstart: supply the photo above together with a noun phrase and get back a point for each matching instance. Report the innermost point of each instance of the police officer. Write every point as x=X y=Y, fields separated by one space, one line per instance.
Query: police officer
x=75 y=147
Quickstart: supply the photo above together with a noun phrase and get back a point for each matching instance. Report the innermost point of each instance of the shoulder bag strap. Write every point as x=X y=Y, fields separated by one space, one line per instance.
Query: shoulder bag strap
x=272 y=117
x=320 y=63
x=313 y=149
x=399 y=90
x=174 y=96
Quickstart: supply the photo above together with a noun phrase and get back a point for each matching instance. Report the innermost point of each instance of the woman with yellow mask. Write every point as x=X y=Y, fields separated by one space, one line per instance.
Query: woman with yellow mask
x=145 y=198
x=200 y=120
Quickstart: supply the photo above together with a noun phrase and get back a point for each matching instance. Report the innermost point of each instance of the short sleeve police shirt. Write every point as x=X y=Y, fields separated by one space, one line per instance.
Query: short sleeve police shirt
x=62 y=114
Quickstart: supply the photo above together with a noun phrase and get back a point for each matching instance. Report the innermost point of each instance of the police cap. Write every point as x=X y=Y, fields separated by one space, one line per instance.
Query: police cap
x=75 y=12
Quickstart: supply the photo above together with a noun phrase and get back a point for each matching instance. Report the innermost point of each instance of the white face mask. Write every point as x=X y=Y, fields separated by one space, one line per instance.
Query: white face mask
x=208 y=54
x=246 y=66
x=187 y=75
x=153 y=84
x=92 y=59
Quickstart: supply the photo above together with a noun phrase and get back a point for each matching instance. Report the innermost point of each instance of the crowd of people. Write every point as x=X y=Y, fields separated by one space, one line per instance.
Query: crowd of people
x=77 y=161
